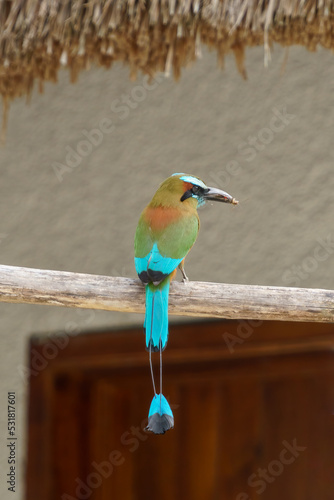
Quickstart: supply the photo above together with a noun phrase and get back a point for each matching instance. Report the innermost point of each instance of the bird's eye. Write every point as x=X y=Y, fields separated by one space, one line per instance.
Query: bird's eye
x=196 y=190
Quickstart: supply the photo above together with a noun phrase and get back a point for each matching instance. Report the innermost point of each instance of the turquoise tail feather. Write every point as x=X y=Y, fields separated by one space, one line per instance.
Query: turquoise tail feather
x=160 y=417
x=156 y=316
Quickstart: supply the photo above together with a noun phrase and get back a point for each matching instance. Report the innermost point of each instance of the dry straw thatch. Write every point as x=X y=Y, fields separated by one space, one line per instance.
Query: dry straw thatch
x=38 y=36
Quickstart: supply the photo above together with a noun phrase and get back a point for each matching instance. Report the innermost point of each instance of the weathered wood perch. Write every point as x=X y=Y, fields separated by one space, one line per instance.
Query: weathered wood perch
x=216 y=300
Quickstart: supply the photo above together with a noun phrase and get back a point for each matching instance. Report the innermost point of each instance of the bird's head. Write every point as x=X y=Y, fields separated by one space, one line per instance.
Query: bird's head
x=191 y=187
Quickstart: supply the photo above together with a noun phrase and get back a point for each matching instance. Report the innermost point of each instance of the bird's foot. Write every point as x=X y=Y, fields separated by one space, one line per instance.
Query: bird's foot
x=184 y=276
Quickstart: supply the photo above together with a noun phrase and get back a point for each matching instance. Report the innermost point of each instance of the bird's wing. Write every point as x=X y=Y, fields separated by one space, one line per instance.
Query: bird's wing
x=155 y=267
x=157 y=255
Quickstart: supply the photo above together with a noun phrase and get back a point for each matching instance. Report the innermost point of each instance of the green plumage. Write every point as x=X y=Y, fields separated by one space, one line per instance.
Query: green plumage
x=174 y=241
x=168 y=221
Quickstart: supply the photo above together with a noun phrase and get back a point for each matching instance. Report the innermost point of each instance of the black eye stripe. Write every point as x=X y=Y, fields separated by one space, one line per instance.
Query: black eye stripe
x=186 y=195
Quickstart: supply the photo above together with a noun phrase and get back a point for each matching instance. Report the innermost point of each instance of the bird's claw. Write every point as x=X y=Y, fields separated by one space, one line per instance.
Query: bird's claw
x=184 y=276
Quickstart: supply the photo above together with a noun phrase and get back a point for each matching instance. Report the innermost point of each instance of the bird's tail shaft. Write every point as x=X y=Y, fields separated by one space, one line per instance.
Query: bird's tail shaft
x=160 y=417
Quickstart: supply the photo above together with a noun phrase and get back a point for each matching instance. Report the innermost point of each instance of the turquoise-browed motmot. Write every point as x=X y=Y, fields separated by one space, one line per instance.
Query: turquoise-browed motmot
x=166 y=231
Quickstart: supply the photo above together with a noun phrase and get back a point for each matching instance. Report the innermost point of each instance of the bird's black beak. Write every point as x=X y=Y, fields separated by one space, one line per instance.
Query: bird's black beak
x=219 y=195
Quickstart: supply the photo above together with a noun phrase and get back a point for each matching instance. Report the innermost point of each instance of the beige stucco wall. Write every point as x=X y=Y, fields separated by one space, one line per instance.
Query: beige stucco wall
x=212 y=124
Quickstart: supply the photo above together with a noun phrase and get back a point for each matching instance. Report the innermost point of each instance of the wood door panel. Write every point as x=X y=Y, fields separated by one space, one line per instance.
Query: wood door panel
x=235 y=414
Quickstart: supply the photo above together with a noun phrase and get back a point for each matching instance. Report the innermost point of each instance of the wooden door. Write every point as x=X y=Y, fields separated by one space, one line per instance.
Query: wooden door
x=253 y=404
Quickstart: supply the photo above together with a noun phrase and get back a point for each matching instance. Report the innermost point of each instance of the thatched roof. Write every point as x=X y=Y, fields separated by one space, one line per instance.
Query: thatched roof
x=38 y=36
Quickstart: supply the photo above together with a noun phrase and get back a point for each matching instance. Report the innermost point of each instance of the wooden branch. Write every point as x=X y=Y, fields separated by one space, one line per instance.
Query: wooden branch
x=215 y=300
